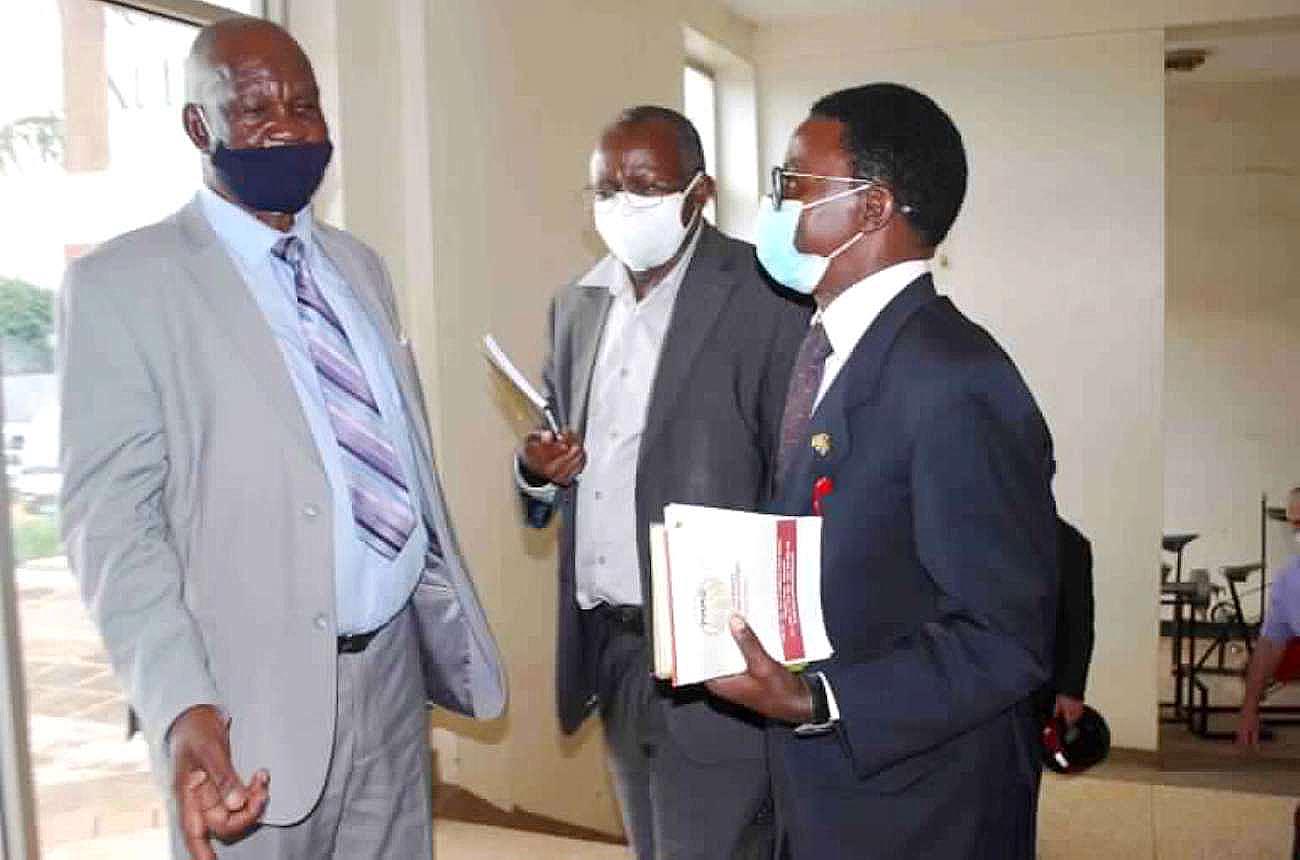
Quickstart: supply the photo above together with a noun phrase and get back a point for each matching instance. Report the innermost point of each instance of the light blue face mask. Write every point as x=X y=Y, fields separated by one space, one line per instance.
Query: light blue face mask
x=775 y=237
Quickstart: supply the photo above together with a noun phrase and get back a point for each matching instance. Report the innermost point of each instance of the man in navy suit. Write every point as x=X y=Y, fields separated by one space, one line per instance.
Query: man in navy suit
x=913 y=435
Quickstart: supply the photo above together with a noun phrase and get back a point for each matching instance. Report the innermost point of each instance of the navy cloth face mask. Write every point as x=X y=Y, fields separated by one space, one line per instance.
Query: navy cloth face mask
x=273 y=178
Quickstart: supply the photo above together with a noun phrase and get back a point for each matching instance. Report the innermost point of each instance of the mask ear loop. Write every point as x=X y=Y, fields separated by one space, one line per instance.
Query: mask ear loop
x=836 y=196
x=686 y=192
x=213 y=143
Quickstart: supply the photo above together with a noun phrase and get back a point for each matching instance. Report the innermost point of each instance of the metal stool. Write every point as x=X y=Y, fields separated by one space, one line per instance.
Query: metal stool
x=1176 y=543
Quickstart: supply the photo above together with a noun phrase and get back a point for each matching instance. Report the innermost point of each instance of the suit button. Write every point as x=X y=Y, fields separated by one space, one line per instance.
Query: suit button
x=321 y=621
x=310 y=511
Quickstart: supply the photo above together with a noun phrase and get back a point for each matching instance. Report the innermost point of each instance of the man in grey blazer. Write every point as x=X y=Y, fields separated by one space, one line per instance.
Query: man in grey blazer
x=669 y=360
x=250 y=497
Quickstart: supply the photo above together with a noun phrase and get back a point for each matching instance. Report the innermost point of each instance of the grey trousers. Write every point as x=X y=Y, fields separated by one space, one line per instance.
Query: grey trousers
x=674 y=808
x=378 y=800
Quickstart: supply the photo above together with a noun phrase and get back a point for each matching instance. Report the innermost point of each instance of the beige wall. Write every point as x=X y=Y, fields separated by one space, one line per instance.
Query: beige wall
x=1059 y=251
x=1231 y=349
x=464 y=129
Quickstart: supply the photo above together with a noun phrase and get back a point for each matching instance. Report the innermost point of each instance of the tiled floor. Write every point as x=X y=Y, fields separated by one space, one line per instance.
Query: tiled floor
x=453 y=840
x=97 y=800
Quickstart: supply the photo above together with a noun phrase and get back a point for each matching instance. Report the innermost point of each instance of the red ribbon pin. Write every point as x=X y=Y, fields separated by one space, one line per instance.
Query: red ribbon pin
x=822 y=487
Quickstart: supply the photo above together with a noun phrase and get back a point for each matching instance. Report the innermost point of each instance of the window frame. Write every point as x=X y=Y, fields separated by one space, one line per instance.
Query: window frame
x=19 y=838
x=197 y=12
x=711 y=164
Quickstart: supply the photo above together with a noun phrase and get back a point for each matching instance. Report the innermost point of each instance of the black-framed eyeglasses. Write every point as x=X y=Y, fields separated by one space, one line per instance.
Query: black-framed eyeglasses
x=780 y=174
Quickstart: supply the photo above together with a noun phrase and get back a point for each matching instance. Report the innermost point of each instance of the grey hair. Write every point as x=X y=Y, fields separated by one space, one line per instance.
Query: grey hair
x=208 y=85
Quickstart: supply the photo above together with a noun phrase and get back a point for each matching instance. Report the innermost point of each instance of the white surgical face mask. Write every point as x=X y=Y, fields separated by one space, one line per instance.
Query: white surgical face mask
x=643 y=231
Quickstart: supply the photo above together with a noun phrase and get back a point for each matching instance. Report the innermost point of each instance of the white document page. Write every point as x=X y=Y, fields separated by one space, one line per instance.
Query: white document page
x=764 y=567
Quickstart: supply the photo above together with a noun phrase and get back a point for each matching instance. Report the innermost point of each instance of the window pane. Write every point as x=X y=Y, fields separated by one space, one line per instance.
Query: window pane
x=700 y=107
x=248 y=7
x=91 y=145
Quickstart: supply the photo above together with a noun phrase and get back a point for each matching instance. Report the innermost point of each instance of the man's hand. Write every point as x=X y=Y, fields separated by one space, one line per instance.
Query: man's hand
x=766 y=687
x=1248 y=728
x=558 y=459
x=210 y=797
x=1068 y=708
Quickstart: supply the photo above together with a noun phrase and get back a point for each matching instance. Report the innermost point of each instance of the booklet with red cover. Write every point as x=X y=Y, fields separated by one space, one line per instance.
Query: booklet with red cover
x=710 y=563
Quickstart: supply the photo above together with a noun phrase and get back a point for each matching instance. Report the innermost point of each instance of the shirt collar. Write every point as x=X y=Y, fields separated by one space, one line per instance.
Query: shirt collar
x=245 y=235
x=847 y=318
x=610 y=274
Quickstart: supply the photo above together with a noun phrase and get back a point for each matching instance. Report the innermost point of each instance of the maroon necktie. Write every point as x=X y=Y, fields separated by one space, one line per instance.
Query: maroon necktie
x=805 y=380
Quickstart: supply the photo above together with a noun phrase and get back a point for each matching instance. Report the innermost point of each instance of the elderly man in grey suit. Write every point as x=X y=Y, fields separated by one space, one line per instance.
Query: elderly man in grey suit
x=670 y=361
x=251 y=501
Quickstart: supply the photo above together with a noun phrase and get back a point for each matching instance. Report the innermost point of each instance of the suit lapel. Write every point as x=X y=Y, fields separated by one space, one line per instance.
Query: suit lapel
x=222 y=288
x=704 y=292
x=588 y=324
x=361 y=282
x=856 y=383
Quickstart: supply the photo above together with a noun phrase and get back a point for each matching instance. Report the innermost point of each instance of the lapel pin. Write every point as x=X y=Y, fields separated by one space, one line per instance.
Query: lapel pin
x=821 y=443
x=822 y=487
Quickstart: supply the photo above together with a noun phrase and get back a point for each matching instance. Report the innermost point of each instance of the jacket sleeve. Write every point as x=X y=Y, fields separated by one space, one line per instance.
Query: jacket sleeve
x=115 y=466
x=985 y=532
x=1075 y=615
x=538 y=503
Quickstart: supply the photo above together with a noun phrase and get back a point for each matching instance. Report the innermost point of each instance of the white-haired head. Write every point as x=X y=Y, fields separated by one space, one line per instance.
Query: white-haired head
x=209 y=83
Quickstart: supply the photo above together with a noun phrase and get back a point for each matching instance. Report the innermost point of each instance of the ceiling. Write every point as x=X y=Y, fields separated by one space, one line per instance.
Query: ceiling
x=1238 y=52
x=763 y=11
x=1242 y=58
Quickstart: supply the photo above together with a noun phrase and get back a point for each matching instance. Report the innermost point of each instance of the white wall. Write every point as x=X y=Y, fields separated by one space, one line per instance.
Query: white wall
x=464 y=130
x=1059 y=251
x=1232 y=392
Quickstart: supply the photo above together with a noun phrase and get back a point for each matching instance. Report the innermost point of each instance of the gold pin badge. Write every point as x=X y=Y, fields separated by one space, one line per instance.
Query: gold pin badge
x=821 y=443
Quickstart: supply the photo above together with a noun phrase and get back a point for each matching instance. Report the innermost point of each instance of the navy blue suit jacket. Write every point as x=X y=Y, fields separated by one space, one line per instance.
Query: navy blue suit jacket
x=939 y=585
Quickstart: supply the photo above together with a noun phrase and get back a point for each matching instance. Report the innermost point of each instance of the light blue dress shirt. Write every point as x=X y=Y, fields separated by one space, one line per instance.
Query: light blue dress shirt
x=369 y=589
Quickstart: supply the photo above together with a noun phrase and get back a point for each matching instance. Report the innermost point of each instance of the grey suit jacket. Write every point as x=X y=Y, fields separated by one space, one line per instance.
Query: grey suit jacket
x=197 y=513
x=711 y=434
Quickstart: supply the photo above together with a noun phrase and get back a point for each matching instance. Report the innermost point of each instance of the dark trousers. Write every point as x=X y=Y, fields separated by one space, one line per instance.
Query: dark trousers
x=673 y=807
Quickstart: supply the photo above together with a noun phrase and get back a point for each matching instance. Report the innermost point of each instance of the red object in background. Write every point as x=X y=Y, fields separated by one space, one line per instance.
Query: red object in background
x=822 y=487
x=1054 y=747
x=1288 y=669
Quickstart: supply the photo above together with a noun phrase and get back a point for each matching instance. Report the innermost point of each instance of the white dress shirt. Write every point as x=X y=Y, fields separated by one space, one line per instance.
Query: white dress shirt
x=847 y=318
x=607 y=566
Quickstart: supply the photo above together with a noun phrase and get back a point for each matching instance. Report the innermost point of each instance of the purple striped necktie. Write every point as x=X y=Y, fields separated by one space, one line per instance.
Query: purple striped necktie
x=381 y=498
x=805 y=381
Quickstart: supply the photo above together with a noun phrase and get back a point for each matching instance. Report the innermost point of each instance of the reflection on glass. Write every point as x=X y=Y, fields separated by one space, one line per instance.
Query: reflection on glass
x=91 y=146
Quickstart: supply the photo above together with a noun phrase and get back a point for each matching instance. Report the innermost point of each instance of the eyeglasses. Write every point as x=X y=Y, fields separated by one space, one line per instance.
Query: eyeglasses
x=781 y=175
x=640 y=197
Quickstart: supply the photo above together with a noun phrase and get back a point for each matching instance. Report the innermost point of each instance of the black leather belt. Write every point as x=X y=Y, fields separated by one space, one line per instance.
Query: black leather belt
x=626 y=618
x=356 y=643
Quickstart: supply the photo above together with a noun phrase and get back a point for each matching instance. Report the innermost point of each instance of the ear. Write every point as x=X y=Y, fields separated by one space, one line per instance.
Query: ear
x=877 y=206
x=196 y=129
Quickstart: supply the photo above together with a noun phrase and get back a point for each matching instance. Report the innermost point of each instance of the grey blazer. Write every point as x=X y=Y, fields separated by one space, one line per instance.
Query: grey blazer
x=711 y=435
x=197 y=513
